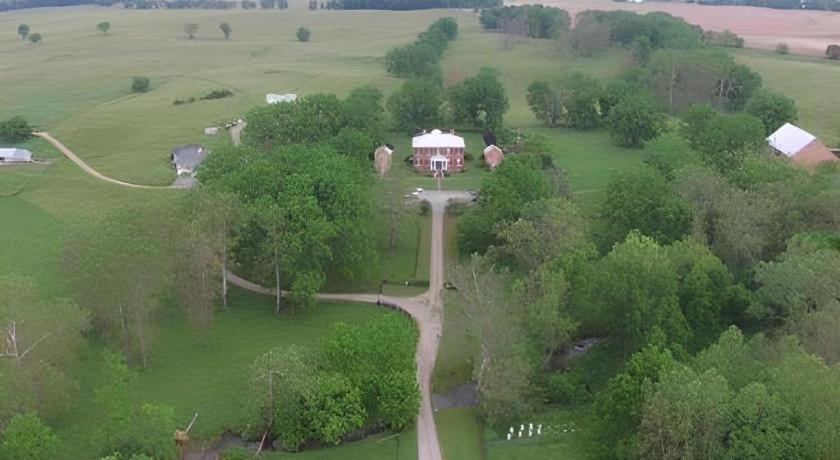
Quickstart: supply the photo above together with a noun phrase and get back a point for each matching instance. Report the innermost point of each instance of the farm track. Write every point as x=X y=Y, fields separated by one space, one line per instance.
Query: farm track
x=85 y=167
x=426 y=309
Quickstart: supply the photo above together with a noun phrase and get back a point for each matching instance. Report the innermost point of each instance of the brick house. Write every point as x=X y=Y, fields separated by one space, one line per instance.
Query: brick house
x=438 y=151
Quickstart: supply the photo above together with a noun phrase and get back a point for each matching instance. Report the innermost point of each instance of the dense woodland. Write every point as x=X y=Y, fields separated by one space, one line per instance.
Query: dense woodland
x=708 y=275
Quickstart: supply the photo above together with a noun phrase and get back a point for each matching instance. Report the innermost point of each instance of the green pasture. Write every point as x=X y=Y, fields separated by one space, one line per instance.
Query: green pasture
x=809 y=81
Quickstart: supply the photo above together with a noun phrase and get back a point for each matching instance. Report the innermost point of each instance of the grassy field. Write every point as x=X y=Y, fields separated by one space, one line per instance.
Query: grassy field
x=207 y=373
x=76 y=85
x=460 y=434
x=811 y=82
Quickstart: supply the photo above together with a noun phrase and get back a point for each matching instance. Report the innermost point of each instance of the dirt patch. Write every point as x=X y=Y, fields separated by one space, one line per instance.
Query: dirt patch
x=805 y=31
x=460 y=396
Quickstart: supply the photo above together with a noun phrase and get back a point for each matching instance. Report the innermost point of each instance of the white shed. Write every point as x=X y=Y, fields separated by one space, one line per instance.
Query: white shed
x=15 y=155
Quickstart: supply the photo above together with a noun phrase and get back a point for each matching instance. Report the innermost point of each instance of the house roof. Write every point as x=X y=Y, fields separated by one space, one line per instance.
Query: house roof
x=437 y=139
x=188 y=156
x=15 y=154
x=790 y=139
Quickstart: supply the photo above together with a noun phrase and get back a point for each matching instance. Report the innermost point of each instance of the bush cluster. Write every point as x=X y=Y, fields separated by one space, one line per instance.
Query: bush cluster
x=15 y=129
x=360 y=379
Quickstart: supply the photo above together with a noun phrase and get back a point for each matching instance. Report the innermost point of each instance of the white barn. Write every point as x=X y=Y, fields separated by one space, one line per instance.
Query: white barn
x=15 y=155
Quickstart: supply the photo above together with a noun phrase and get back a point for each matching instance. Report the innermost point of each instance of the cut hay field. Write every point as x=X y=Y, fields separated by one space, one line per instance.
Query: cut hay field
x=805 y=31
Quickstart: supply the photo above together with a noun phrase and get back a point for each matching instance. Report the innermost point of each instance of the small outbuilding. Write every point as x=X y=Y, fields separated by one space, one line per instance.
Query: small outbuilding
x=438 y=152
x=800 y=146
x=493 y=156
x=187 y=159
x=15 y=156
x=382 y=159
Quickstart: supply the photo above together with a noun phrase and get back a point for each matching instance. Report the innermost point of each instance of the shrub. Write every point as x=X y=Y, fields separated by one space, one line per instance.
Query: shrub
x=217 y=94
x=26 y=437
x=634 y=121
x=183 y=101
x=248 y=5
x=303 y=34
x=774 y=110
x=34 y=38
x=15 y=129
x=833 y=52
x=782 y=48
x=561 y=390
x=140 y=84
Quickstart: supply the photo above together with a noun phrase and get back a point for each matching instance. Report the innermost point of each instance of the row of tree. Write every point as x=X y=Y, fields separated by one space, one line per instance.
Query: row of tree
x=534 y=21
x=422 y=58
x=404 y=5
x=830 y=5
x=672 y=80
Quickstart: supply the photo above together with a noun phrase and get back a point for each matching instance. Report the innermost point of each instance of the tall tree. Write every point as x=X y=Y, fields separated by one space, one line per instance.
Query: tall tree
x=480 y=100
x=643 y=201
x=774 y=110
x=686 y=416
x=501 y=368
x=634 y=121
x=119 y=268
x=226 y=29
x=23 y=31
x=38 y=339
x=191 y=28
x=631 y=291
x=415 y=105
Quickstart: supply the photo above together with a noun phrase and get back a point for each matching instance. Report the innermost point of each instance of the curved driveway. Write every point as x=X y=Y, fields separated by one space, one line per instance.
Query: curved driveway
x=426 y=309
x=80 y=163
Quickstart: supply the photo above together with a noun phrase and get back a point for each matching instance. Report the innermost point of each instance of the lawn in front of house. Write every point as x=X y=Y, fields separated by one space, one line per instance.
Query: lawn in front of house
x=206 y=371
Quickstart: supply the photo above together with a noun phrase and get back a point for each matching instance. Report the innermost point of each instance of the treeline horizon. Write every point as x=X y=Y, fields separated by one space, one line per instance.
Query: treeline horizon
x=398 y=5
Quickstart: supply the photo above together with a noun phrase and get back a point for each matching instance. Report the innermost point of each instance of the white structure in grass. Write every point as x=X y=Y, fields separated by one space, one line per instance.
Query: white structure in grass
x=15 y=156
x=513 y=432
x=276 y=98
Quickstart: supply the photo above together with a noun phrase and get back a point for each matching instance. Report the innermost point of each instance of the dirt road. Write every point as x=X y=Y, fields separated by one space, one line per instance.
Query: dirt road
x=426 y=310
x=80 y=163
